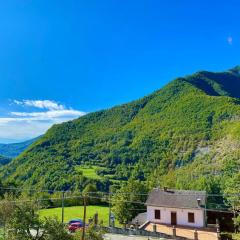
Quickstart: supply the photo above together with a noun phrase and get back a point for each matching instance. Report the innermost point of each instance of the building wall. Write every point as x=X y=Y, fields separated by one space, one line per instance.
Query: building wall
x=182 y=216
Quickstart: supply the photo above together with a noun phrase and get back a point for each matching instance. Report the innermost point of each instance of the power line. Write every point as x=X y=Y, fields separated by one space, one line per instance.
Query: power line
x=125 y=193
x=117 y=201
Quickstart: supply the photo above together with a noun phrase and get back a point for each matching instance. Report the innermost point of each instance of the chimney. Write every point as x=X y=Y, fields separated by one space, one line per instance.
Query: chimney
x=199 y=202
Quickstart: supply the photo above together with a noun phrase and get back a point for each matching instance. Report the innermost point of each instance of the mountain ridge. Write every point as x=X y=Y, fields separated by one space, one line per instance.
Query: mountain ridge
x=155 y=139
x=4 y=160
x=12 y=150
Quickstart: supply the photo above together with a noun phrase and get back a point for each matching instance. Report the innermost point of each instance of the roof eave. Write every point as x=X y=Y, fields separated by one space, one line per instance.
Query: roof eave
x=151 y=205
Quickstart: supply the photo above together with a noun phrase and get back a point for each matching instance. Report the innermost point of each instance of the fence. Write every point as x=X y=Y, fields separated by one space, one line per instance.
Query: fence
x=140 y=232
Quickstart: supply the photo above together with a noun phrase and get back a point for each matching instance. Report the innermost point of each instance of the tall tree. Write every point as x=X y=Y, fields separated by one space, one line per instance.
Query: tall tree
x=129 y=200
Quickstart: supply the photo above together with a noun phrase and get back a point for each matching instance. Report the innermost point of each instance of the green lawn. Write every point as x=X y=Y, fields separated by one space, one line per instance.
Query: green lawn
x=77 y=212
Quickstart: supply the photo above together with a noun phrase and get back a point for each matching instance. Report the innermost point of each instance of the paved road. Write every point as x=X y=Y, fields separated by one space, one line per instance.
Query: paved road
x=109 y=236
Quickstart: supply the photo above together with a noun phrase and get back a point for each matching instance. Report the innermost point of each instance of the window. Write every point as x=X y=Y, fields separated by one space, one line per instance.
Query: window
x=157 y=214
x=191 y=217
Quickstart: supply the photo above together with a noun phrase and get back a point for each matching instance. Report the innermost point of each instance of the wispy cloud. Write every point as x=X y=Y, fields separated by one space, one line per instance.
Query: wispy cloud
x=38 y=116
x=65 y=113
x=42 y=104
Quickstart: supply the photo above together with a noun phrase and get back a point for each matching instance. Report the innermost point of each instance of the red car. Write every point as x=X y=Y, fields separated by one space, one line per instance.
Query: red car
x=74 y=226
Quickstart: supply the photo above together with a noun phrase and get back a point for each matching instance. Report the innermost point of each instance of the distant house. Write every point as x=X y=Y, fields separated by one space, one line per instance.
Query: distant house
x=177 y=207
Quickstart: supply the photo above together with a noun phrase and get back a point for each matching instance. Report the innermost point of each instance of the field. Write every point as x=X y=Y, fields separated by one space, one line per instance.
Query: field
x=89 y=172
x=77 y=212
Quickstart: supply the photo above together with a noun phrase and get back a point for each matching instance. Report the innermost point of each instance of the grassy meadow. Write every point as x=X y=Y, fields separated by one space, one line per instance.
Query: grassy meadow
x=89 y=172
x=77 y=212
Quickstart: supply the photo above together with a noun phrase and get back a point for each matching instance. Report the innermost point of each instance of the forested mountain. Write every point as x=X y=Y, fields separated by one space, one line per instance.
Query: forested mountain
x=4 y=160
x=185 y=135
x=12 y=150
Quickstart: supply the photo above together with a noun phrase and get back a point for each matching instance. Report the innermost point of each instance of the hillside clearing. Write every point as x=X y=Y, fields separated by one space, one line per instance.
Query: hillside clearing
x=89 y=172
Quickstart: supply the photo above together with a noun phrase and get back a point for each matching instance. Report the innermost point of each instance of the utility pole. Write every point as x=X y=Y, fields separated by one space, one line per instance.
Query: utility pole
x=84 y=216
x=109 y=217
x=205 y=211
x=63 y=197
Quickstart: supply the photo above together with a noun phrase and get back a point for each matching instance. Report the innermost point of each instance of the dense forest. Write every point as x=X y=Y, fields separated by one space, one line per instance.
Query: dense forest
x=185 y=135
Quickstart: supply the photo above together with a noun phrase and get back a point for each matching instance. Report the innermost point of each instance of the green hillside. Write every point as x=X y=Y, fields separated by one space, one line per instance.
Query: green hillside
x=185 y=135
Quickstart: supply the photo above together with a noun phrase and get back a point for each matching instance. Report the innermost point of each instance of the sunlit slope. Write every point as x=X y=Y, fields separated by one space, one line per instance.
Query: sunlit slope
x=187 y=126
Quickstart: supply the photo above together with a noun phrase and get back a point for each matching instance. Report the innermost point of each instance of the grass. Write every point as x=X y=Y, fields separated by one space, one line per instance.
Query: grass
x=77 y=212
x=1 y=234
x=89 y=172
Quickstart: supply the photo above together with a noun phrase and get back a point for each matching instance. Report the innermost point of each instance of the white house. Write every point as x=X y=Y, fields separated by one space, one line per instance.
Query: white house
x=177 y=207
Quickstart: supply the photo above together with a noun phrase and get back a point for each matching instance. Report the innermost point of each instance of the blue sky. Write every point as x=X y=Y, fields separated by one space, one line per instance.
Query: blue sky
x=89 y=55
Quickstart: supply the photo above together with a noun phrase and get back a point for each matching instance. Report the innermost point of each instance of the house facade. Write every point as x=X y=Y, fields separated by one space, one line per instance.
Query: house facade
x=177 y=207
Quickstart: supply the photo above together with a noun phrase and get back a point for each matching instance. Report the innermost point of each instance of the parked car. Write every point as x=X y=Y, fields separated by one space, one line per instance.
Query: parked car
x=75 y=226
x=76 y=220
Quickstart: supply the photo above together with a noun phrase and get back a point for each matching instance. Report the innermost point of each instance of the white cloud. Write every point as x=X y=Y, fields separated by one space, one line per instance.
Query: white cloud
x=43 y=104
x=20 y=130
x=65 y=113
x=29 y=124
